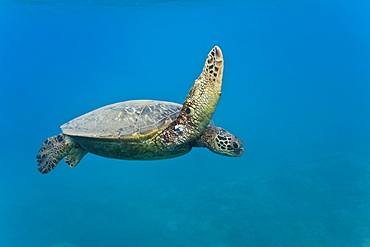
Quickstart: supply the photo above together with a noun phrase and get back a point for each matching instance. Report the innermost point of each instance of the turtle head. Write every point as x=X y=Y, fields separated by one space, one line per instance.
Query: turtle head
x=226 y=144
x=220 y=141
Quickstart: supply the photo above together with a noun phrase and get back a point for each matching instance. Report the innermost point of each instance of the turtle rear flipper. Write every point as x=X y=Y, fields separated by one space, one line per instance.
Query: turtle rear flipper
x=52 y=151
x=75 y=155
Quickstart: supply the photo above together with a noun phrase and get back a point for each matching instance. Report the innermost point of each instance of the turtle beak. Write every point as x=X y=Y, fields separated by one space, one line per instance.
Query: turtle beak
x=239 y=152
x=238 y=147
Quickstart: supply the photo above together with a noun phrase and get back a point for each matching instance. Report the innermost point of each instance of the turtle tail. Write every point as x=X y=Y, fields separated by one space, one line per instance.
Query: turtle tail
x=52 y=151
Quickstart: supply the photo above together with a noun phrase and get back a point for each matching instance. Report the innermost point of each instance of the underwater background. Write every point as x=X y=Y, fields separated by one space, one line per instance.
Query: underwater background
x=296 y=91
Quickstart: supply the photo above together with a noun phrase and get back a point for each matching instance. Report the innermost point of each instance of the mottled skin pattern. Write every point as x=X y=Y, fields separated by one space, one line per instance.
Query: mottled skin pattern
x=147 y=129
x=52 y=151
x=219 y=141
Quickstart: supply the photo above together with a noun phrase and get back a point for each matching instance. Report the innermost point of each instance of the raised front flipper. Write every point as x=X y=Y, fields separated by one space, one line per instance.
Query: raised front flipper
x=203 y=97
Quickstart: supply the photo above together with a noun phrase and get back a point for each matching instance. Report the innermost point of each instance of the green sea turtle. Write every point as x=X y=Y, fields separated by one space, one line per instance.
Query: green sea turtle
x=147 y=129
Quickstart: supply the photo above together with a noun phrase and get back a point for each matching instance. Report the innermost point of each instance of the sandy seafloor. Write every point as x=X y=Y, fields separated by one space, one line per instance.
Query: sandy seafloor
x=296 y=91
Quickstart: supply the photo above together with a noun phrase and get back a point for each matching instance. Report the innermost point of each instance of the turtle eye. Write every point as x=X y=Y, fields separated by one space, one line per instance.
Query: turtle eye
x=235 y=145
x=189 y=111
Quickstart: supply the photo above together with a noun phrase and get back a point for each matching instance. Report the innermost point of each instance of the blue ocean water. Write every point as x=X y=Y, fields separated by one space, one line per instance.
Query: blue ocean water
x=296 y=91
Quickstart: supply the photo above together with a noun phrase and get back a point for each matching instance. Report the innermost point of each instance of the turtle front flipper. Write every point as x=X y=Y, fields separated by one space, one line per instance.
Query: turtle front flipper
x=52 y=151
x=201 y=102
